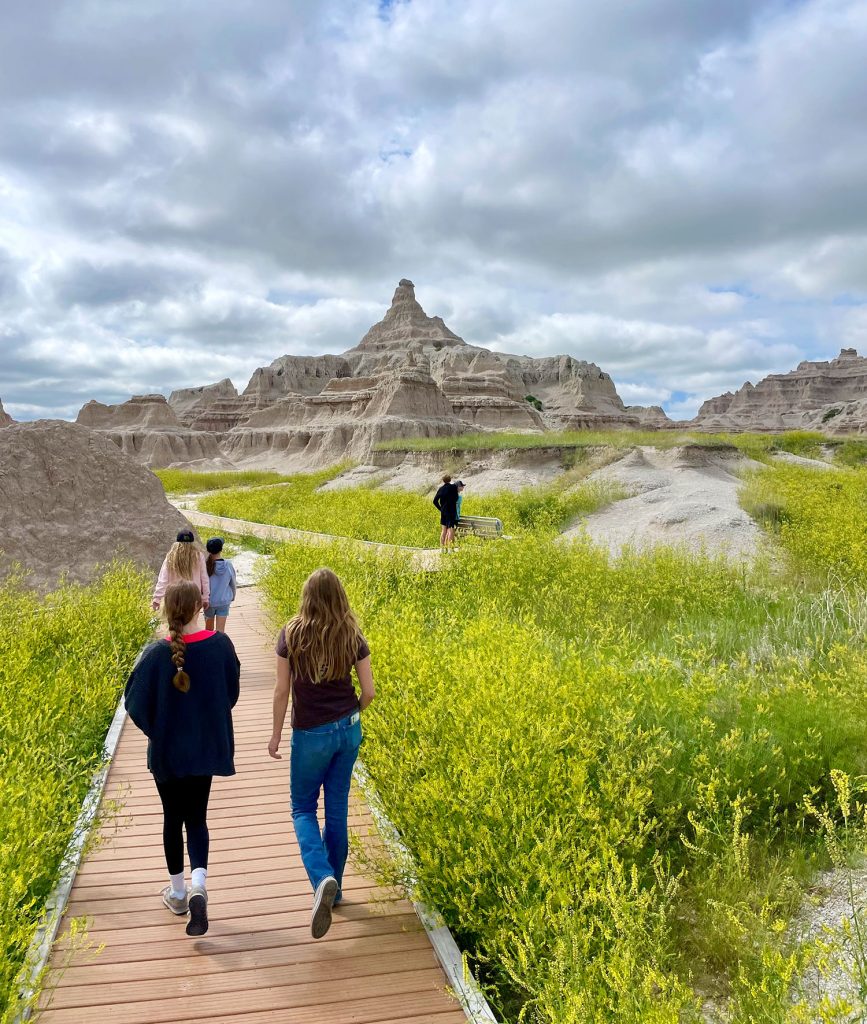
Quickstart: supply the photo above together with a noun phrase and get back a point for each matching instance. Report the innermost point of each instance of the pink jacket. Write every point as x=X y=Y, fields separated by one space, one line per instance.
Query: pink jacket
x=165 y=578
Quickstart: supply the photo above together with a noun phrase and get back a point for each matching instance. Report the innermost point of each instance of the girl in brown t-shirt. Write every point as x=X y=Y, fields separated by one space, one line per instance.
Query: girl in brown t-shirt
x=316 y=651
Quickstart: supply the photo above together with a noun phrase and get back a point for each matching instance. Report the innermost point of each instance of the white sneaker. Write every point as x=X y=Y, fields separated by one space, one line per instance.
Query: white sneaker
x=198 y=903
x=323 y=901
x=176 y=904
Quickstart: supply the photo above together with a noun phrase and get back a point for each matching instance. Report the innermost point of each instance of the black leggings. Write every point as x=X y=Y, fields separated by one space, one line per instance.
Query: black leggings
x=185 y=802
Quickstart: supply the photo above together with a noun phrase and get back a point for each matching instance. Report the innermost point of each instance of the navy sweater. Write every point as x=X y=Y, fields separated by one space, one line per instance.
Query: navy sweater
x=188 y=733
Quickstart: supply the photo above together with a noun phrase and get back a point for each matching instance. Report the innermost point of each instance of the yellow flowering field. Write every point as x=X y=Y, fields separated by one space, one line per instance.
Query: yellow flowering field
x=600 y=767
x=401 y=517
x=187 y=481
x=65 y=660
x=819 y=517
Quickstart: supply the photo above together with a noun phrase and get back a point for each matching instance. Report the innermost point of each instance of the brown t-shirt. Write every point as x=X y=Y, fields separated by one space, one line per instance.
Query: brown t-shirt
x=320 y=703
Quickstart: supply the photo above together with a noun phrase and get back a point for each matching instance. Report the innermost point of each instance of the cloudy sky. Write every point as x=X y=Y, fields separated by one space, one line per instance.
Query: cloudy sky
x=673 y=189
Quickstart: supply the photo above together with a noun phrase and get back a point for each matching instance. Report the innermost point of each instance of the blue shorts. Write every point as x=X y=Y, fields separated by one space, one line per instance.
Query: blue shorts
x=216 y=609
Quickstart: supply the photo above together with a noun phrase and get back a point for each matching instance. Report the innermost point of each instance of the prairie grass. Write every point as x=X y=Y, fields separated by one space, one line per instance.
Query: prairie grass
x=238 y=542
x=185 y=481
x=852 y=452
x=818 y=516
x=401 y=517
x=600 y=766
x=65 y=660
x=798 y=442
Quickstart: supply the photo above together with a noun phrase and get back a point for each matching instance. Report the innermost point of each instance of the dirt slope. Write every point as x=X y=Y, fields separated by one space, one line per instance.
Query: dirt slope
x=686 y=495
x=72 y=500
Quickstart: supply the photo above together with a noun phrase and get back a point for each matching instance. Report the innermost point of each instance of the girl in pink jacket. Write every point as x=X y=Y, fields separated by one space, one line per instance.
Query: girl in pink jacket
x=183 y=562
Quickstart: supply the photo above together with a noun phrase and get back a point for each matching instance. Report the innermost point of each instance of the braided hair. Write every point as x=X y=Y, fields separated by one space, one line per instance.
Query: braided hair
x=182 y=603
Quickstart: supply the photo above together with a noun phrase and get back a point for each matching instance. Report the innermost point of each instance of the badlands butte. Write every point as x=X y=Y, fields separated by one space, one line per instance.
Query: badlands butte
x=411 y=376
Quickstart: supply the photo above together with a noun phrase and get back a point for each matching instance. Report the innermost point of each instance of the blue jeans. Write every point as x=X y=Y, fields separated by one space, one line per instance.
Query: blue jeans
x=323 y=758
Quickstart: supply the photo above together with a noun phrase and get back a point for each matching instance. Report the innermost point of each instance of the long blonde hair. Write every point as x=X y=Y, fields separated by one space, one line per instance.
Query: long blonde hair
x=183 y=601
x=323 y=638
x=182 y=561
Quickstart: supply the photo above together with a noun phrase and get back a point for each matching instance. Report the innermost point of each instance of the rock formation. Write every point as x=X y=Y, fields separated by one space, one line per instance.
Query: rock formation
x=151 y=412
x=490 y=389
x=405 y=327
x=345 y=420
x=148 y=429
x=410 y=375
x=830 y=396
x=5 y=418
x=650 y=417
x=73 y=501
x=187 y=402
x=301 y=375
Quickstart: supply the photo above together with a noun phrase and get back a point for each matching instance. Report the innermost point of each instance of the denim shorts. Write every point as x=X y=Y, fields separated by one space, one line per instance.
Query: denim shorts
x=216 y=609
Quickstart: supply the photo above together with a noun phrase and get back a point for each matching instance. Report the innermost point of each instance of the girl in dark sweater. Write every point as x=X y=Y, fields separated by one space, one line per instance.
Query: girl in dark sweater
x=316 y=652
x=180 y=694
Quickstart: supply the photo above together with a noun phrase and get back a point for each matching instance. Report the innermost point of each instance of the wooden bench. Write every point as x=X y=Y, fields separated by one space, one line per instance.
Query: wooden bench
x=480 y=526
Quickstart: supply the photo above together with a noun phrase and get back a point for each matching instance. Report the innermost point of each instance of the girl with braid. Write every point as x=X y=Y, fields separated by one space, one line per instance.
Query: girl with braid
x=183 y=562
x=180 y=694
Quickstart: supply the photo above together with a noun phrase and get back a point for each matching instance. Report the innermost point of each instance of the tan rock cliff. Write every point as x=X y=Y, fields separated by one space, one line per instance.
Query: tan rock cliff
x=824 y=395
x=188 y=402
x=151 y=412
x=148 y=429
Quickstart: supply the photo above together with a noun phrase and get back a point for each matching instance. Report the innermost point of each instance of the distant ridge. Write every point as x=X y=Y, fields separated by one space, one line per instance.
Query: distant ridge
x=830 y=396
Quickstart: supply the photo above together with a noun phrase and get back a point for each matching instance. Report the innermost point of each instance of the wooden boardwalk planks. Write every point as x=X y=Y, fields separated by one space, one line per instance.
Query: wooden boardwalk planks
x=258 y=963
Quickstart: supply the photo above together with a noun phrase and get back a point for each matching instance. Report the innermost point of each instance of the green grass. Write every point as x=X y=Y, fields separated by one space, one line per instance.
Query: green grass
x=65 y=661
x=499 y=440
x=184 y=481
x=237 y=542
x=852 y=452
x=819 y=516
x=402 y=517
x=600 y=766
x=799 y=442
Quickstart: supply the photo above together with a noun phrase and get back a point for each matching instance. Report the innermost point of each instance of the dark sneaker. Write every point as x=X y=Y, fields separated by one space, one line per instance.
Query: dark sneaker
x=198 y=902
x=176 y=904
x=323 y=901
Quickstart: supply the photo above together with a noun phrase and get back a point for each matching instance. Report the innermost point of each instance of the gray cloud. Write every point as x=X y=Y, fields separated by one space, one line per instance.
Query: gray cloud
x=672 y=189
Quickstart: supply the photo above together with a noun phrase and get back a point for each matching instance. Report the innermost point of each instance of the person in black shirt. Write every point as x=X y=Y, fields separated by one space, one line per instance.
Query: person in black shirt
x=446 y=500
x=180 y=694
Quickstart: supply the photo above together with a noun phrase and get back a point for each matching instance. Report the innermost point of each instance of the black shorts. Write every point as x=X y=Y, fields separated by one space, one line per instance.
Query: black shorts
x=449 y=521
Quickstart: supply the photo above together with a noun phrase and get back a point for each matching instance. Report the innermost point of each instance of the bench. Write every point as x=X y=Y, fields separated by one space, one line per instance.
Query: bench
x=480 y=526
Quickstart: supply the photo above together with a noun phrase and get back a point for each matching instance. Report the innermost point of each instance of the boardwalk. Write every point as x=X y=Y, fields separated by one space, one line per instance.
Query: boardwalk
x=258 y=963
x=422 y=558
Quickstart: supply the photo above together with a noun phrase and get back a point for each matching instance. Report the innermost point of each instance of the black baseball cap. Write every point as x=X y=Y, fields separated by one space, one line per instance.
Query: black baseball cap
x=185 y=537
x=214 y=545
x=460 y=483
